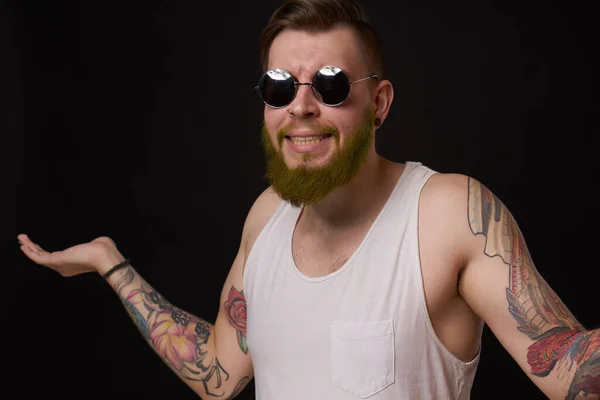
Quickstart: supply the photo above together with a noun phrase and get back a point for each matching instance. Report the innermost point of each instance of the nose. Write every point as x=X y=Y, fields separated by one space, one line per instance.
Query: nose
x=304 y=104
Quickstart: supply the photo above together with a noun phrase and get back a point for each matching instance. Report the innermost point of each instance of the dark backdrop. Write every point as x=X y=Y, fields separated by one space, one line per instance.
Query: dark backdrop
x=139 y=121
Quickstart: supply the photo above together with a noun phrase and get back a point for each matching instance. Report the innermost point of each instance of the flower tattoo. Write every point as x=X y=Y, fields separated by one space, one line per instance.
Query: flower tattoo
x=236 y=313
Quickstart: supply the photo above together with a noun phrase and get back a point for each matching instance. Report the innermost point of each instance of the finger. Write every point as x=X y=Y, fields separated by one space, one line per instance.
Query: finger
x=36 y=246
x=36 y=256
x=24 y=239
x=43 y=257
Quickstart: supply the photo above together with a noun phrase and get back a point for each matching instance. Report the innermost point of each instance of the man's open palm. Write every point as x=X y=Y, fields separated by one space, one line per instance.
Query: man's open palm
x=72 y=261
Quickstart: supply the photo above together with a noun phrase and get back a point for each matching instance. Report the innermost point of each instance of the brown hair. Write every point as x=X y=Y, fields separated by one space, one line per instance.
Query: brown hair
x=320 y=16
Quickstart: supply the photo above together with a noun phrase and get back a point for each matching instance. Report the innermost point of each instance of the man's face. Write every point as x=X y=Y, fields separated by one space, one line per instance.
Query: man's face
x=320 y=147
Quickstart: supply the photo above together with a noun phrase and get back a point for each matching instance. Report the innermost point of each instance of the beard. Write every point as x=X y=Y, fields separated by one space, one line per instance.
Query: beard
x=307 y=185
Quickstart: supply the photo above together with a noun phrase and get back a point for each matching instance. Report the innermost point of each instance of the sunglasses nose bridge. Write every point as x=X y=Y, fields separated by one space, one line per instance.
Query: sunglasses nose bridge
x=303 y=84
x=309 y=84
x=297 y=87
x=304 y=104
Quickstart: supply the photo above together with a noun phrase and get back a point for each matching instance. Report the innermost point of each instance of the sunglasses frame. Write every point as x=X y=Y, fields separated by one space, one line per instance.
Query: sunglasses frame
x=297 y=84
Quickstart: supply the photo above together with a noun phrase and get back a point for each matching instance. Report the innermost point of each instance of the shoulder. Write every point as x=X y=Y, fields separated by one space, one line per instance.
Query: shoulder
x=445 y=192
x=452 y=191
x=260 y=213
x=444 y=211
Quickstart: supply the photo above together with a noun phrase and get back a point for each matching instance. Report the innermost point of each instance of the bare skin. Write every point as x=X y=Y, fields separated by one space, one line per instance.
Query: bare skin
x=465 y=280
x=186 y=343
x=472 y=275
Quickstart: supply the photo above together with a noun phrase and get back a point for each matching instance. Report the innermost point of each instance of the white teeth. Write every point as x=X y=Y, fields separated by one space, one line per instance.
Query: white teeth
x=307 y=140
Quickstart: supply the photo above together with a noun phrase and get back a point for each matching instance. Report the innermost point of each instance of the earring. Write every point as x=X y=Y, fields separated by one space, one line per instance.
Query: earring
x=377 y=122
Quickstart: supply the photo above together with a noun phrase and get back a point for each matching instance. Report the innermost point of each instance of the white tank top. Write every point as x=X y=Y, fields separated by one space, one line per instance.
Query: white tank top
x=360 y=332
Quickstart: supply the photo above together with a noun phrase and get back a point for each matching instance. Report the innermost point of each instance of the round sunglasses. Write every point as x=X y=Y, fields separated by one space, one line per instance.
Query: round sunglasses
x=331 y=86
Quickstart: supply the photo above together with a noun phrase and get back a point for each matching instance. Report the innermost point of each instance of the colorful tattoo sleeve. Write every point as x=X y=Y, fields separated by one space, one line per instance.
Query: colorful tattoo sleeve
x=560 y=342
x=180 y=339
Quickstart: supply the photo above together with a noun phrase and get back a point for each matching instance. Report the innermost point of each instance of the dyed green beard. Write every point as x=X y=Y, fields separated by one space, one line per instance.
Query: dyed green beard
x=304 y=185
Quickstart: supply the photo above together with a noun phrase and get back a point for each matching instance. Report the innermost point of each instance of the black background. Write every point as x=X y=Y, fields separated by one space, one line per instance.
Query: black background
x=139 y=121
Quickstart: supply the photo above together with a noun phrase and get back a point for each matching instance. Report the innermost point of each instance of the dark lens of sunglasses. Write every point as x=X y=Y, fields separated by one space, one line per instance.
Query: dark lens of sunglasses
x=331 y=85
x=276 y=88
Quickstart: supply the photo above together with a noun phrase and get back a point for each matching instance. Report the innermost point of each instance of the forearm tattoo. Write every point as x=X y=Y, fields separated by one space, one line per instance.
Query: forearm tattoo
x=180 y=339
x=238 y=388
x=560 y=342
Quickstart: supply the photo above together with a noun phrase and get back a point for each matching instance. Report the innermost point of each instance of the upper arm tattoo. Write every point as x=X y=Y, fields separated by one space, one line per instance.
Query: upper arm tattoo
x=235 y=306
x=559 y=340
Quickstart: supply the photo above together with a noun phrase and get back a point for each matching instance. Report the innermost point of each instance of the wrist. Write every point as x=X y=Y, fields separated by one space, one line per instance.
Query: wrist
x=117 y=267
x=109 y=260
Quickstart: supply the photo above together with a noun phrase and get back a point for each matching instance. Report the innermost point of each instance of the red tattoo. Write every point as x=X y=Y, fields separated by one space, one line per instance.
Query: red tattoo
x=560 y=342
x=236 y=313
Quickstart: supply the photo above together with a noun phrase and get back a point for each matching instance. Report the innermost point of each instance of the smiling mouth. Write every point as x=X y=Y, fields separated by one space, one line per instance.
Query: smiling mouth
x=305 y=140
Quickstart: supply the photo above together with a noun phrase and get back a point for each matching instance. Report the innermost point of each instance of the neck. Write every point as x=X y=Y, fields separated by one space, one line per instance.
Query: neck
x=359 y=201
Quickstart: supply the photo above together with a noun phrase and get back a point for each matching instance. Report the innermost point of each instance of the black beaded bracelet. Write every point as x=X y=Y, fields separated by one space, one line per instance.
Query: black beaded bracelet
x=116 y=267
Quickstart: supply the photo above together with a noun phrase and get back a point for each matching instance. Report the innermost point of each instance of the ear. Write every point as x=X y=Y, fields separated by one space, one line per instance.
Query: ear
x=384 y=95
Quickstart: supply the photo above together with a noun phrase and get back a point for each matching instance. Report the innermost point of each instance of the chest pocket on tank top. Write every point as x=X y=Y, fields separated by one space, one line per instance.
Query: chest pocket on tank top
x=362 y=356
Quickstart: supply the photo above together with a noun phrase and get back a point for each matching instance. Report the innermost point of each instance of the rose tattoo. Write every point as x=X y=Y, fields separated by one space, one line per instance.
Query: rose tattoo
x=236 y=313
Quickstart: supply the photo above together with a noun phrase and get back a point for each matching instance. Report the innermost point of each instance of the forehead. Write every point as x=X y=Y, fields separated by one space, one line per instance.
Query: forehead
x=303 y=53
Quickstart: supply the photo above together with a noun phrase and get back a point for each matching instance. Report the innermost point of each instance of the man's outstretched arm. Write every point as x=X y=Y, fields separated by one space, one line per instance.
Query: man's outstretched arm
x=560 y=356
x=186 y=343
x=214 y=360
x=503 y=287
